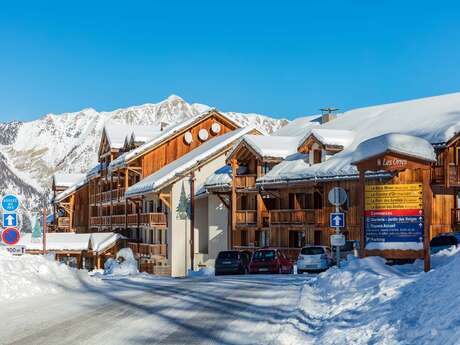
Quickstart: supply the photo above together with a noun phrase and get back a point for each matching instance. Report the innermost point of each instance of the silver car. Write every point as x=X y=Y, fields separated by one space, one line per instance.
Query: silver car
x=314 y=259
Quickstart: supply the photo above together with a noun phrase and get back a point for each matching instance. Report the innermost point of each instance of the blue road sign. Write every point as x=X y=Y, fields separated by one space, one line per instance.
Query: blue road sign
x=10 y=220
x=337 y=220
x=394 y=229
x=11 y=236
x=10 y=203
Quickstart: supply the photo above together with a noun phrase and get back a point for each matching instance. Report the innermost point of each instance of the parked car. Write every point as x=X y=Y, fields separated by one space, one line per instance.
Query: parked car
x=444 y=241
x=232 y=262
x=270 y=260
x=347 y=249
x=314 y=258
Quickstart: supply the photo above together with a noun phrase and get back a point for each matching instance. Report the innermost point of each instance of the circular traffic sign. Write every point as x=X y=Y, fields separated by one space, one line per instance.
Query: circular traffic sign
x=337 y=196
x=11 y=236
x=10 y=202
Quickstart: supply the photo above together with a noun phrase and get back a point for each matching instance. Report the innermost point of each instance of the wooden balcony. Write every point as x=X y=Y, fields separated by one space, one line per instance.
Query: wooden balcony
x=119 y=220
x=144 y=249
x=95 y=221
x=156 y=219
x=63 y=222
x=245 y=181
x=294 y=217
x=108 y=196
x=438 y=175
x=246 y=217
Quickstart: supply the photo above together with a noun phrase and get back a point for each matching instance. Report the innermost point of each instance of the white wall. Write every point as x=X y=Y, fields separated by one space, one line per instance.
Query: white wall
x=218 y=227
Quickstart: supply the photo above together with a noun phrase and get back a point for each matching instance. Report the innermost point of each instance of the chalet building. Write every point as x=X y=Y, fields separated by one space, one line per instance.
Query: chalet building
x=140 y=188
x=278 y=185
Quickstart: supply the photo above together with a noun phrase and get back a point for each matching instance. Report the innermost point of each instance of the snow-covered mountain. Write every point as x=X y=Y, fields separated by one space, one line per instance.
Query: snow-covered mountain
x=31 y=152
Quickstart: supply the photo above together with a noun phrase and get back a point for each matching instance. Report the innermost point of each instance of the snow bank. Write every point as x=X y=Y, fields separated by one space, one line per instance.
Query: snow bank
x=36 y=275
x=202 y=272
x=369 y=302
x=124 y=265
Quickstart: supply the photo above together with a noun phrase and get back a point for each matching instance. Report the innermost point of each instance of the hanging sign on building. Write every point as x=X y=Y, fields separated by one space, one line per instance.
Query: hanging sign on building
x=394 y=216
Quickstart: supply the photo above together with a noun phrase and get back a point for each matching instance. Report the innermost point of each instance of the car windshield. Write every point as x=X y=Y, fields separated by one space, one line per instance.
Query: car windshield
x=312 y=251
x=264 y=255
x=443 y=241
x=228 y=256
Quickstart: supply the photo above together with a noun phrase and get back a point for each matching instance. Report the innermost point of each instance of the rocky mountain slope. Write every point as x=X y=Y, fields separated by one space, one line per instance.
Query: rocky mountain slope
x=31 y=152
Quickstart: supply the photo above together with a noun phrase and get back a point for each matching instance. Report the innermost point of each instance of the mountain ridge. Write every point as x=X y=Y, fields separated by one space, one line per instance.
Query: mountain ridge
x=32 y=151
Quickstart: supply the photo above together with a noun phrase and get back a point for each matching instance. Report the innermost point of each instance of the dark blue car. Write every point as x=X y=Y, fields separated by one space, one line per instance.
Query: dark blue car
x=444 y=241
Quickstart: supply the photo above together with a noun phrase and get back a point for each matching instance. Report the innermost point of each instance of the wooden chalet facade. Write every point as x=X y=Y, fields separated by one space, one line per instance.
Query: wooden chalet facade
x=289 y=215
x=100 y=205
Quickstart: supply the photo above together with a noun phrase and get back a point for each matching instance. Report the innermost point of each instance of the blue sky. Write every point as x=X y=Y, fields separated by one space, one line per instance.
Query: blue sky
x=285 y=58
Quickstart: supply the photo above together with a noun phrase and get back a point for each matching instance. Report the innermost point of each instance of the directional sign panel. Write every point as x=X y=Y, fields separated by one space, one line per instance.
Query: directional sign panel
x=9 y=220
x=10 y=236
x=10 y=203
x=337 y=220
x=394 y=214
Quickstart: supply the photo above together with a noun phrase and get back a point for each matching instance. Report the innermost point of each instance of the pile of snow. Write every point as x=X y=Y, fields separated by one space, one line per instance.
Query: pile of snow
x=31 y=275
x=124 y=265
x=399 y=143
x=202 y=272
x=369 y=302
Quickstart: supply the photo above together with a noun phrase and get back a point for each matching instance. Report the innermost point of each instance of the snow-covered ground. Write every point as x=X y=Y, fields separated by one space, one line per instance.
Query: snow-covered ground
x=364 y=302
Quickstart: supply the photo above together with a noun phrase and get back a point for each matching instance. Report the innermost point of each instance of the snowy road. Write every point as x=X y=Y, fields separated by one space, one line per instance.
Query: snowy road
x=222 y=310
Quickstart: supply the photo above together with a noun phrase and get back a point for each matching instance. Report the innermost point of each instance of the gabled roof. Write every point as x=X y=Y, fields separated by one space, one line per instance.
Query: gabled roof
x=195 y=158
x=165 y=135
x=269 y=146
x=330 y=137
x=66 y=179
x=434 y=119
x=72 y=189
x=407 y=145
x=222 y=177
x=117 y=134
x=70 y=241
x=299 y=126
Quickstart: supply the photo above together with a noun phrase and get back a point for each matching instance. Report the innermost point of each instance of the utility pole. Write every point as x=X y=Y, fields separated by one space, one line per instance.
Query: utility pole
x=192 y=220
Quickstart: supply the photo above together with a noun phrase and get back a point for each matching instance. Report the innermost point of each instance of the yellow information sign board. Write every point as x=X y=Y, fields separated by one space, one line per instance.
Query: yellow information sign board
x=393 y=197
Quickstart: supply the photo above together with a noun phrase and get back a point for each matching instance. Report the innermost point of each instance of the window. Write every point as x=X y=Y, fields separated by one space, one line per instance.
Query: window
x=296 y=239
x=318 y=237
x=261 y=238
x=266 y=168
x=317 y=201
x=316 y=156
x=244 y=237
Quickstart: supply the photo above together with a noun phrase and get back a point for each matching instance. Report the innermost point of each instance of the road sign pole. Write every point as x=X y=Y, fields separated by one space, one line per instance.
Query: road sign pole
x=337 y=231
x=44 y=230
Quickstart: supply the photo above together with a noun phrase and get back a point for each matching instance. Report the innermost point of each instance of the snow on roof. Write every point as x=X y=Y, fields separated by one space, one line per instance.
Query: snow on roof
x=399 y=143
x=71 y=241
x=299 y=127
x=67 y=179
x=271 y=146
x=203 y=152
x=165 y=134
x=71 y=189
x=222 y=177
x=435 y=119
x=118 y=133
x=334 y=137
x=95 y=170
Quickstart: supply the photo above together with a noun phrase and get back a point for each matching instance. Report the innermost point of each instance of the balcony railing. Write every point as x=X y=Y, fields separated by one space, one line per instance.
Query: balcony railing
x=245 y=181
x=63 y=222
x=438 y=174
x=145 y=219
x=144 y=249
x=108 y=196
x=292 y=217
x=246 y=217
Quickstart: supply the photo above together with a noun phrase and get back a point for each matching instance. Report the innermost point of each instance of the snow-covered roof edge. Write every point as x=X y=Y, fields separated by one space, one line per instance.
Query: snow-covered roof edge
x=192 y=160
x=128 y=156
x=404 y=144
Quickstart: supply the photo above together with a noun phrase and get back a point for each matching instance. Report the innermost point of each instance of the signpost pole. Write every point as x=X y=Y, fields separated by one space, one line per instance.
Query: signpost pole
x=337 y=229
x=44 y=230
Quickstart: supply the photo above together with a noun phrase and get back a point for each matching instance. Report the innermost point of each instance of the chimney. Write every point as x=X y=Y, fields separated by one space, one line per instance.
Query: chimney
x=327 y=114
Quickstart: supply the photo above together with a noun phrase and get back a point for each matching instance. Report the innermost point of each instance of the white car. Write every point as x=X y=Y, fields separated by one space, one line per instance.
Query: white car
x=314 y=258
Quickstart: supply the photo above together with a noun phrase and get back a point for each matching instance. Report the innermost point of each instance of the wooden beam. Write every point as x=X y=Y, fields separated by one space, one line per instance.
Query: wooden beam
x=225 y=202
x=165 y=198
